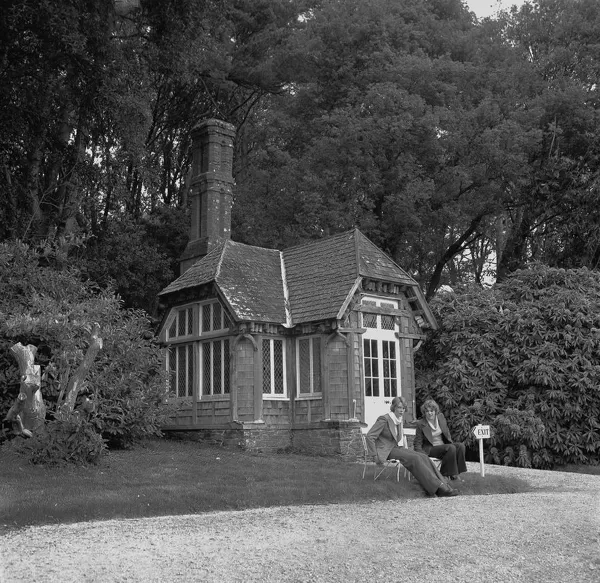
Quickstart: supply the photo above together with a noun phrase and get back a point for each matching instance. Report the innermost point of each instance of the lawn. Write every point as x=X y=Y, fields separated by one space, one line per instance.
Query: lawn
x=165 y=477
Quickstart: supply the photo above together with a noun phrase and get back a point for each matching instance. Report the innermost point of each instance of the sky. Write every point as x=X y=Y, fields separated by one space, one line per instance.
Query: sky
x=485 y=8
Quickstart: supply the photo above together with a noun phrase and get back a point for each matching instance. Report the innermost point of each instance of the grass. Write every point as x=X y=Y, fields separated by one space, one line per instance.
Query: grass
x=166 y=477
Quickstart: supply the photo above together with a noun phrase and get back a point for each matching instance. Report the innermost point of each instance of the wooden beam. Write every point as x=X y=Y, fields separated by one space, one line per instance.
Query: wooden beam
x=384 y=311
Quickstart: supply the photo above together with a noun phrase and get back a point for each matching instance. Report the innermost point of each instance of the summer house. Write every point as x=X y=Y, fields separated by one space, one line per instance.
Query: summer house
x=270 y=349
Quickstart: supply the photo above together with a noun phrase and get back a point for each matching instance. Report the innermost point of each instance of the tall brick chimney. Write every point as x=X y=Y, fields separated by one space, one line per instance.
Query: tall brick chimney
x=210 y=189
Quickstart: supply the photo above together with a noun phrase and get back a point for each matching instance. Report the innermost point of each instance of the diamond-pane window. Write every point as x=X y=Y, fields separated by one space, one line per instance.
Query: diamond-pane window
x=278 y=367
x=206 y=368
x=304 y=365
x=206 y=319
x=369 y=320
x=309 y=365
x=172 y=368
x=273 y=365
x=181 y=367
x=217 y=323
x=182 y=323
x=226 y=385
x=214 y=318
x=215 y=367
x=173 y=328
x=190 y=321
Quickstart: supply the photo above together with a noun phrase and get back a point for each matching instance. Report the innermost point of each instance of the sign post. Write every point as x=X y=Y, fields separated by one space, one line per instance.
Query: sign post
x=481 y=432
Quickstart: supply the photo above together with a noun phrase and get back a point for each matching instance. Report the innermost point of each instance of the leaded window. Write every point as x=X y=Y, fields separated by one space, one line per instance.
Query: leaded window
x=182 y=324
x=213 y=318
x=273 y=367
x=308 y=364
x=180 y=364
x=215 y=367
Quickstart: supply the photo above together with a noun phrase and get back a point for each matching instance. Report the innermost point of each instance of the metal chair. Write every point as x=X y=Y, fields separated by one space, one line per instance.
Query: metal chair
x=379 y=468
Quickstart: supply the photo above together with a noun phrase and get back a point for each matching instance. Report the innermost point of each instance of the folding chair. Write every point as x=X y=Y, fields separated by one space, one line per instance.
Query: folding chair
x=379 y=469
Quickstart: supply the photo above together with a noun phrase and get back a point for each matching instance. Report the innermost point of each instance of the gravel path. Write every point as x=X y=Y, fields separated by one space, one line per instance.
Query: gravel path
x=549 y=535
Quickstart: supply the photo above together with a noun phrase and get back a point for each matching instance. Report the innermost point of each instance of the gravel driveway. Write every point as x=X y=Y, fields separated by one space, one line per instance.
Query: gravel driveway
x=549 y=535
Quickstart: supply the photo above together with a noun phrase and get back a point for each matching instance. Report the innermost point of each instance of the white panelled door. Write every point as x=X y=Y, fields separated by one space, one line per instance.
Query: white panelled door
x=381 y=353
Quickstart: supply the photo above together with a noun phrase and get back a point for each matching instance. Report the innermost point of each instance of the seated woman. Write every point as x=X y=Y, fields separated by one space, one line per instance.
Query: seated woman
x=433 y=438
x=386 y=441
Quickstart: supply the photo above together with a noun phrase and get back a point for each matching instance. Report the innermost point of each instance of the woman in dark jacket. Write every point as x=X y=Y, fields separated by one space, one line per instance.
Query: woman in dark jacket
x=433 y=438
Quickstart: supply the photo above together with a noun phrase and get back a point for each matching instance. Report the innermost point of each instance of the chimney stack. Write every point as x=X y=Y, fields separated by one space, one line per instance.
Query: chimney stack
x=210 y=189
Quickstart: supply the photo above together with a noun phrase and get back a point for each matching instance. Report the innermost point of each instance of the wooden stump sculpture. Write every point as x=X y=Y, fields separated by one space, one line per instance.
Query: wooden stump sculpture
x=28 y=414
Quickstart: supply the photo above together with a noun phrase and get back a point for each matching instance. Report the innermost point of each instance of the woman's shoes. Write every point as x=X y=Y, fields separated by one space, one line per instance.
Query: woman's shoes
x=454 y=477
x=445 y=491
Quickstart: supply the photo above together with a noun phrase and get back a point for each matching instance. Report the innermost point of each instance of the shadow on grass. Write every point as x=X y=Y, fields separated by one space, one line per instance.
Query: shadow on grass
x=168 y=478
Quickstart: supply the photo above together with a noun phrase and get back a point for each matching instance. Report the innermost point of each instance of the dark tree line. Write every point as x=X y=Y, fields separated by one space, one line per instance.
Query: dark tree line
x=465 y=149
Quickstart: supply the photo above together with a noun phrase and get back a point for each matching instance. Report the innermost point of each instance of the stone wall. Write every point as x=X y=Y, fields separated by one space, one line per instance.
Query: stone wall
x=330 y=439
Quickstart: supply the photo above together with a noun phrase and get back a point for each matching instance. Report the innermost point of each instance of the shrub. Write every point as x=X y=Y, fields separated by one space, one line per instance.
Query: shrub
x=523 y=357
x=53 y=309
x=74 y=440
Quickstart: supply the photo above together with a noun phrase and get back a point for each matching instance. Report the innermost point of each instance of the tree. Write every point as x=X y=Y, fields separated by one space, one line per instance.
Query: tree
x=402 y=119
x=523 y=358
x=552 y=216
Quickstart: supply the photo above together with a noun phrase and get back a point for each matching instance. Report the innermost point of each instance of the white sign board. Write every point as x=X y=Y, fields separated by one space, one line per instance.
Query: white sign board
x=481 y=431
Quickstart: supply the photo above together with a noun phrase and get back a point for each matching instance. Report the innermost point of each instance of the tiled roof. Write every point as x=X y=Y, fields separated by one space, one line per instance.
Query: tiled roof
x=203 y=271
x=249 y=279
x=375 y=264
x=319 y=277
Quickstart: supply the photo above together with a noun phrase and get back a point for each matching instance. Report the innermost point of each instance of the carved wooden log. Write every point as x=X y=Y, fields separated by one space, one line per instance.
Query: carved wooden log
x=76 y=381
x=28 y=414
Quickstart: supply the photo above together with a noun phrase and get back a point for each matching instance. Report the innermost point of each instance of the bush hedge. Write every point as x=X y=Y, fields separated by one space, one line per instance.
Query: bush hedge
x=523 y=357
x=50 y=306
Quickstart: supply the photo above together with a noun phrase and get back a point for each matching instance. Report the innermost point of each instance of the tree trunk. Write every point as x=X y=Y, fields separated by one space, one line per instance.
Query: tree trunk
x=468 y=237
x=514 y=253
x=28 y=414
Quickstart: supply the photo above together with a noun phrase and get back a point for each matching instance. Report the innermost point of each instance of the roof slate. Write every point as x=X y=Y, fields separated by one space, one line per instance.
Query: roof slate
x=319 y=276
x=250 y=280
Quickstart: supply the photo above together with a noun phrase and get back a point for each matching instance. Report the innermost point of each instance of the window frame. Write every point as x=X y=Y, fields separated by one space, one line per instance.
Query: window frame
x=381 y=335
x=312 y=394
x=225 y=369
x=194 y=337
x=272 y=395
x=174 y=350
x=173 y=321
